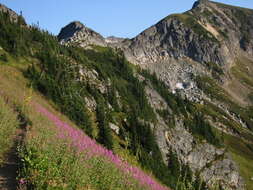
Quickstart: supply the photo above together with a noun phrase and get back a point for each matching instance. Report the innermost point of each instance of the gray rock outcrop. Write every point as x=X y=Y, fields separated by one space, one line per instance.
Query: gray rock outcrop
x=213 y=165
x=77 y=33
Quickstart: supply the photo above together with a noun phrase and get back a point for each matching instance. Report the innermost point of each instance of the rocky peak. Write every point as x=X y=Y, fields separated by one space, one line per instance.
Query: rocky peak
x=200 y=3
x=114 y=40
x=78 y=33
x=69 y=30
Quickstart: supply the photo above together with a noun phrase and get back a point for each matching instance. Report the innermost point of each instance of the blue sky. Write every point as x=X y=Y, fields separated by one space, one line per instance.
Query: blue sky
x=122 y=18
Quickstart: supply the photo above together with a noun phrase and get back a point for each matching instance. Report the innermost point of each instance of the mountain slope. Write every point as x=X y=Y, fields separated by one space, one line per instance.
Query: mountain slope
x=205 y=55
x=177 y=123
x=47 y=153
x=54 y=144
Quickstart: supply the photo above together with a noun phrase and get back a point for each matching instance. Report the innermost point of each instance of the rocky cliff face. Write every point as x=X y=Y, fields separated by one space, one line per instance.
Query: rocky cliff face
x=77 y=33
x=214 y=165
x=209 y=32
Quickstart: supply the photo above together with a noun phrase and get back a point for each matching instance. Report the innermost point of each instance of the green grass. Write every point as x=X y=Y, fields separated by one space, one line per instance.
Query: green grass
x=8 y=126
x=215 y=69
x=246 y=10
x=219 y=115
x=243 y=156
x=250 y=96
x=50 y=163
x=242 y=72
x=214 y=91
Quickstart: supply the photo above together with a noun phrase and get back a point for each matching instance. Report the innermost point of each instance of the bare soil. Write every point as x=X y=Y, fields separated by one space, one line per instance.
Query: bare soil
x=9 y=170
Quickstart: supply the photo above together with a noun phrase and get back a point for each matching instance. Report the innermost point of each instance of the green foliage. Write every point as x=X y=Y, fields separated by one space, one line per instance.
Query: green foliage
x=193 y=121
x=242 y=154
x=174 y=164
x=216 y=70
x=50 y=163
x=199 y=126
x=58 y=84
x=210 y=87
x=144 y=146
x=177 y=104
x=112 y=98
x=250 y=96
x=8 y=126
x=114 y=66
x=14 y=38
x=207 y=13
x=56 y=75
x=3 y=57
x=184 y=175
x=104 y=136
x=241 y=72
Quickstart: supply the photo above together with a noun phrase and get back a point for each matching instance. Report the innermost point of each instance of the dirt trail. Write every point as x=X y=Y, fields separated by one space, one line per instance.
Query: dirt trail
x=9 y=170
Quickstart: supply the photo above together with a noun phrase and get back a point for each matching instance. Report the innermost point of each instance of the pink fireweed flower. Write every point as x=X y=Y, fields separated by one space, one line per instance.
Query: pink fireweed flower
x=84 y=143
x=22 y=181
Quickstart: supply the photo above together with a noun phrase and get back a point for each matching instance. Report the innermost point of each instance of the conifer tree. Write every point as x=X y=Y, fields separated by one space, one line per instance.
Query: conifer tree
x=104 y=136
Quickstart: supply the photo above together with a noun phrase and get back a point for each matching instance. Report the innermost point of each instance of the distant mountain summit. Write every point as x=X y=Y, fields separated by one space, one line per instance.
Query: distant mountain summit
x=114 y=40
x=200 y=2
x=78 y=33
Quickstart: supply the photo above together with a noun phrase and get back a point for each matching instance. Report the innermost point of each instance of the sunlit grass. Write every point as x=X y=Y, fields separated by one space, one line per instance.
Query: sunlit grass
x=8 y=126
x=243 y=156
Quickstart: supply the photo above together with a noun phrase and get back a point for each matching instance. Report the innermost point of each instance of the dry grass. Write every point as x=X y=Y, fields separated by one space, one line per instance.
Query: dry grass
x=241 y=84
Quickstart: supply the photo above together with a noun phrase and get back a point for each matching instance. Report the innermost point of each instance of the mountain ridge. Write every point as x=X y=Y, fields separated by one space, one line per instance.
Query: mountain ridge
x=194 y=35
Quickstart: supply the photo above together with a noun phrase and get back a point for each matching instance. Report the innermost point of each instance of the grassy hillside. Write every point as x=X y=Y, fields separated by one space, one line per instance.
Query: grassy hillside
x=51 y=157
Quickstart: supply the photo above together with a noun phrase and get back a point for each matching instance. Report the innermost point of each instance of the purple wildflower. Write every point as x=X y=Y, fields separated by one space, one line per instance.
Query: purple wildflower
x=84 y=143
x=22 y=181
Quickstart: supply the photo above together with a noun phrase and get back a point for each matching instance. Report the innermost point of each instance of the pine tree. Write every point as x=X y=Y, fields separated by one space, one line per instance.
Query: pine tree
x=104 y=136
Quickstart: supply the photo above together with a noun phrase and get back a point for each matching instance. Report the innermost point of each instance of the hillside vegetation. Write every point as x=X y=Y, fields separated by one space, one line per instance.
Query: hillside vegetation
x=89 y=123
